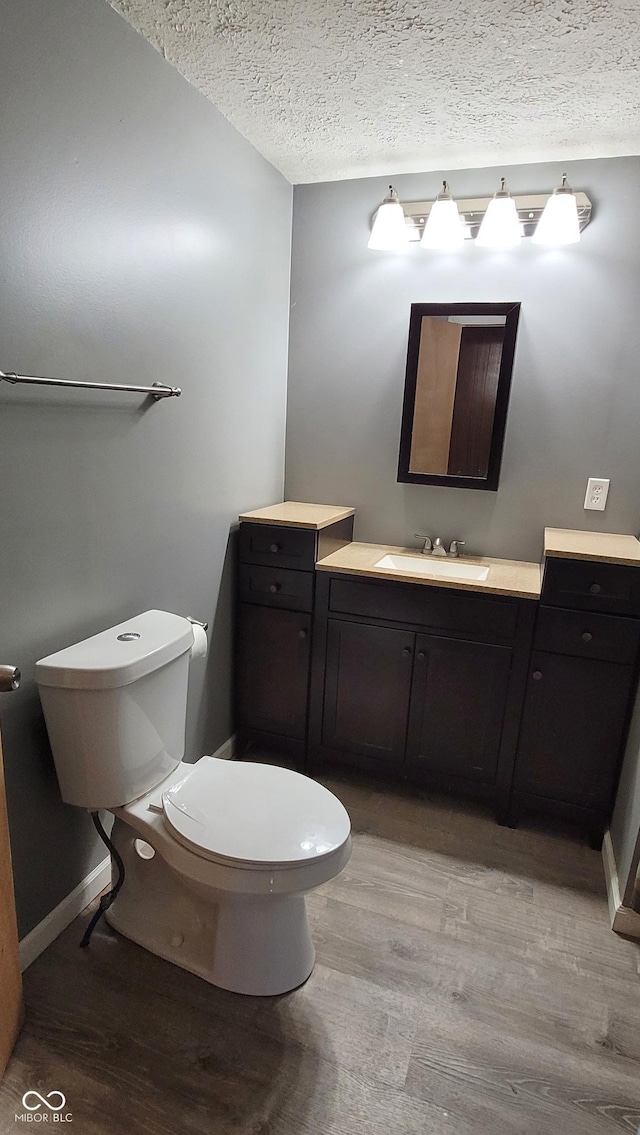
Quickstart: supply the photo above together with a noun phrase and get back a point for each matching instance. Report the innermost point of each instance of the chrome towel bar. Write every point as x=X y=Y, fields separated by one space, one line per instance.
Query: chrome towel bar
x=157 y=391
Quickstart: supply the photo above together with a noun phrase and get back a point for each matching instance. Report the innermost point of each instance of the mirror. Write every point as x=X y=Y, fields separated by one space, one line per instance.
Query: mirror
x=459 y=363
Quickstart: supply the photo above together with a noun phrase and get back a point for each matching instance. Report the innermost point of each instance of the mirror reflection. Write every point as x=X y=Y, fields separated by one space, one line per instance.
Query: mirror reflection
x=456 y=386
x=458 y=374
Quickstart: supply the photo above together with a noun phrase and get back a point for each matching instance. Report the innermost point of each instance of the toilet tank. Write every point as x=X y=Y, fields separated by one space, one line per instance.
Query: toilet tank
x=115 y=707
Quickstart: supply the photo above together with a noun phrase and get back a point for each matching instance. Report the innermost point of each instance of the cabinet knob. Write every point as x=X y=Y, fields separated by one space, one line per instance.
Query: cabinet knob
x=273 y=587
x=406 y=651
x=595 y=589
x=302 y=634
x=274 y=547
x=587 y=636
x=421 y=656
x=537 y=674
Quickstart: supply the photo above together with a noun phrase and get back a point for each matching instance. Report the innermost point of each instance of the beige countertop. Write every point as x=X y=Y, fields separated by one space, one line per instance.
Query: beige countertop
x=506 y=577
x=608 y=547
x=295 y=514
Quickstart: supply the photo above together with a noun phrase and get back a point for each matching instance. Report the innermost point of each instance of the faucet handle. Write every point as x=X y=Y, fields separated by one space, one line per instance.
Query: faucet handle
x=454 y=545
x=427 y=541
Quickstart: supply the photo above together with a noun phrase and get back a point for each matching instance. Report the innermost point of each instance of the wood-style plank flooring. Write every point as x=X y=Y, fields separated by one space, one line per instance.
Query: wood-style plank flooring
x=466 y=982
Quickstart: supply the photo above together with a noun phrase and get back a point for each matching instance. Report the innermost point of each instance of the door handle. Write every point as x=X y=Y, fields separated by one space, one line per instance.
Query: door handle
x=421 y=656
x=9 y=678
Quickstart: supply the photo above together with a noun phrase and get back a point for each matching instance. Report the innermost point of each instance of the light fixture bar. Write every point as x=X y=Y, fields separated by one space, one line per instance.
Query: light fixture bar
x=472 y=209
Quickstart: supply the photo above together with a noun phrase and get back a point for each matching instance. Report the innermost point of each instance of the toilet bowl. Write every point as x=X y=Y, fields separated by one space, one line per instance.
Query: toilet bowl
x=218 y=855
x=218 y=859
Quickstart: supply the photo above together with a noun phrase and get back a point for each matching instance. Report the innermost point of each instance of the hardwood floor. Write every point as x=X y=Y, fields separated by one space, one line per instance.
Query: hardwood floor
x=467 y=983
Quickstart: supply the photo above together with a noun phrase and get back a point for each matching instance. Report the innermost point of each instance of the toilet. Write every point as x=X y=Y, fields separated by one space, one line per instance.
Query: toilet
x=218 y=855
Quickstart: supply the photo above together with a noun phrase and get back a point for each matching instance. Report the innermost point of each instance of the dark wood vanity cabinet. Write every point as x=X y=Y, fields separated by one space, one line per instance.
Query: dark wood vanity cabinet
x=520 y=701
x=415 y=703
x=581 y=677
x=274 y=630
x=365 y=692
x=420 y=682
x=458 y=704
x=273 y=668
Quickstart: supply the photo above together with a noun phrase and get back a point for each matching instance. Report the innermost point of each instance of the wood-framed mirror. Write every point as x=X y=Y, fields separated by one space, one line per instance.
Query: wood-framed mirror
x=456 y=393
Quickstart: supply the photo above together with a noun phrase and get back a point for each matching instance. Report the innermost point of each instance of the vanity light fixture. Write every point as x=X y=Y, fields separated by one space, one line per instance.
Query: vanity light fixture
x=559 y=222
x=389 y=232
x=557 y=219
x=500 y=226
x=443 y=229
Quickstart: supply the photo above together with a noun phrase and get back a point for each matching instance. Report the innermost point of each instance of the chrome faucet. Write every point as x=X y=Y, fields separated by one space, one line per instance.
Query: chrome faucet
x=437 y=548
x=454 y=546
x=428 y=546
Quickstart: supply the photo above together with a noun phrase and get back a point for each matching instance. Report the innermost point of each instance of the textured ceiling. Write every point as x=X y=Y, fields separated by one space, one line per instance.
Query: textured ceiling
x=329 y=89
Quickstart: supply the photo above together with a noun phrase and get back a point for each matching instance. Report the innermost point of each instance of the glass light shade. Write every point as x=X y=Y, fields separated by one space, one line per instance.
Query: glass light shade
x=443 y=229
x=500 y=226
x=389 y=232
x=558 y=224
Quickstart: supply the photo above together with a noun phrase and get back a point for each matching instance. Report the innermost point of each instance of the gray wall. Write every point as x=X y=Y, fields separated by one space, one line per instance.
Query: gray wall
x=141 y=239
x=575 y=402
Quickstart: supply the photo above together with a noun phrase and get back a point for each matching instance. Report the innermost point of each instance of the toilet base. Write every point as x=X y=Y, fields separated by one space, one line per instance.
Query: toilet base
x=253 y=944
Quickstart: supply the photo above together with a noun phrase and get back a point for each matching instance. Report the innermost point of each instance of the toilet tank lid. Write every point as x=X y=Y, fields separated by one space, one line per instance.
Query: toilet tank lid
x=108 y=659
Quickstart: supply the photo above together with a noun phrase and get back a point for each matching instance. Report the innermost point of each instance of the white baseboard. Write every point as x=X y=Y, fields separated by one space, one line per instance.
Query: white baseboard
x=46 y=932
x=226 y=751
x=623 y=919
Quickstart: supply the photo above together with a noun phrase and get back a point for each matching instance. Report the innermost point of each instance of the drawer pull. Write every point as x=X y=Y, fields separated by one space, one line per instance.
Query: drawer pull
x=274 y=587
x=421 y=656
x=406 y=651
x=587 y=636
x=595 y=589
x=537 y=674
x=274 y=547
x=302 y=634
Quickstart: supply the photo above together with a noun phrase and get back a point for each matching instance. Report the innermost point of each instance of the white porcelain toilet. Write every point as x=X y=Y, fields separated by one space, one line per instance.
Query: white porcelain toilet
x=218 y=855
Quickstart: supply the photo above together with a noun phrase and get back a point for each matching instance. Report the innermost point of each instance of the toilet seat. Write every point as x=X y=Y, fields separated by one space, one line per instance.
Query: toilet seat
x=260 y=816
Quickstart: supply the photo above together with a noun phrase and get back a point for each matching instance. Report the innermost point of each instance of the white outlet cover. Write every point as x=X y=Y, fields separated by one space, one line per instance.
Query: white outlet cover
x=596 y=494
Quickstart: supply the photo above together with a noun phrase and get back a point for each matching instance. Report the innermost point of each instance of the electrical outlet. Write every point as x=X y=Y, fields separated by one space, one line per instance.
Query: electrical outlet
x=596 y=496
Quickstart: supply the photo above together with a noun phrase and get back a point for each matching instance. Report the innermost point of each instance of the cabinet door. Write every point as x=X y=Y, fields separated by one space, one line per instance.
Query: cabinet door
x=366 y=692
x=458 y=704
x=273 y=670
x=572 y=728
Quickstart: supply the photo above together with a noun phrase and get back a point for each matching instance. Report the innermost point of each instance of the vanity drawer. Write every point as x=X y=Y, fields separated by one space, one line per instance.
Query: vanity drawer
x=426 y=606
x=590 y=586
x=277 y=587
x=605 y=637
x=273 y=544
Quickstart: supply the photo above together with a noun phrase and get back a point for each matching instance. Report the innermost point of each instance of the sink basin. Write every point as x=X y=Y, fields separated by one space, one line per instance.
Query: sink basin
x=439 y=566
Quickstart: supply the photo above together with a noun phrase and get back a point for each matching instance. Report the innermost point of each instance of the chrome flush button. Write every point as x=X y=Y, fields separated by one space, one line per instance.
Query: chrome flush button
x=128 y=636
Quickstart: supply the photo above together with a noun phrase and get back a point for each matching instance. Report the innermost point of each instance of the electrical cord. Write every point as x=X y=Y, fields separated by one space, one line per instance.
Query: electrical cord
x=106 y=900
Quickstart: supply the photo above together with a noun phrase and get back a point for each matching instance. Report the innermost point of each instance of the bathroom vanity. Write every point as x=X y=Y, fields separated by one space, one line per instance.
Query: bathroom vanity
x=278 y=550
x=514 y=687
x=422 y=681
x=582 y=675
